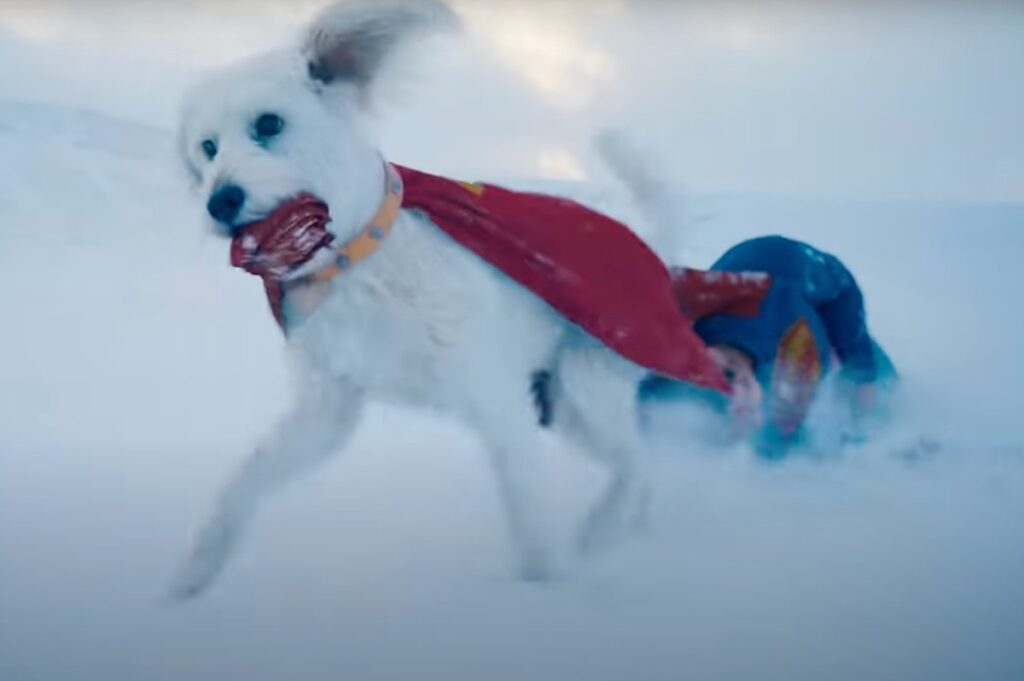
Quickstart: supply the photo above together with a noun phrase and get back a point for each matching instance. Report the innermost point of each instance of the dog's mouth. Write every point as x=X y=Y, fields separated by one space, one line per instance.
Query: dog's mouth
x=284 y=239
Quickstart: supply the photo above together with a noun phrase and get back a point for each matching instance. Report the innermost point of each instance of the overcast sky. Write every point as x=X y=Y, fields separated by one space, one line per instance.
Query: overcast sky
x=915 y=101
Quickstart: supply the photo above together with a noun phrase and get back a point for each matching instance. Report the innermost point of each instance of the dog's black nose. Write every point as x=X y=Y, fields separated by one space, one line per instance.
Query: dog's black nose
x=226 y=203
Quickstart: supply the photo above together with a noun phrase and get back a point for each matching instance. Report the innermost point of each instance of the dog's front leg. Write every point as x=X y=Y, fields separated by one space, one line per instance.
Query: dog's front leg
x=323 y=417
x=513 y=441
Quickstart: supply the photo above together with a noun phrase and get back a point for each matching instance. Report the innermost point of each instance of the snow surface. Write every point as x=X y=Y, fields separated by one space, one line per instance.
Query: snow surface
x=136 y=367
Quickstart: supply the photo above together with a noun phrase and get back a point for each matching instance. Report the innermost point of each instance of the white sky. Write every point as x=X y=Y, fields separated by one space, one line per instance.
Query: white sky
x=918 y=101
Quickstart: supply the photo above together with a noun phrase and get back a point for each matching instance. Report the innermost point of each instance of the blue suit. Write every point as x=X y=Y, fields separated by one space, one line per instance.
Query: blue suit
x=811 y=318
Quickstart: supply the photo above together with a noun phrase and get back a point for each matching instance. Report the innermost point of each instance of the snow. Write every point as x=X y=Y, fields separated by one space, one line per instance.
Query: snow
x=137 y=367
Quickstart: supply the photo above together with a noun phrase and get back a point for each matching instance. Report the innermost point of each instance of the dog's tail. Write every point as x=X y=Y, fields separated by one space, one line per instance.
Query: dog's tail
x=638 y=173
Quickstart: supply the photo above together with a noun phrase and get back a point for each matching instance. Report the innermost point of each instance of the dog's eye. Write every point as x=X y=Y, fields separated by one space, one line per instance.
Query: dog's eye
x=268 y=125
x=209 y=149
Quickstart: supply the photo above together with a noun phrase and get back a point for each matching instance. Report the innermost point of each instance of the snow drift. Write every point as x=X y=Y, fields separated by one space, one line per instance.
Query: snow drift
x=136 y=367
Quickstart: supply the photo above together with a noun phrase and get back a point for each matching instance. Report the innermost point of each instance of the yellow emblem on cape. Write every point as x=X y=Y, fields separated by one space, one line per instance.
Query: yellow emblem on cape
x=474 y=187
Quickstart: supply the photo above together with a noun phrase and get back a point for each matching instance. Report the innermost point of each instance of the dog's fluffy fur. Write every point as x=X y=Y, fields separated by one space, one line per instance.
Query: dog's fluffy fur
x=423 y=321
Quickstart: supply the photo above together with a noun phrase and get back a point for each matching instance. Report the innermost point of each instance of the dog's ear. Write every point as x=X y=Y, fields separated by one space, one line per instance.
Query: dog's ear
x=350 y=40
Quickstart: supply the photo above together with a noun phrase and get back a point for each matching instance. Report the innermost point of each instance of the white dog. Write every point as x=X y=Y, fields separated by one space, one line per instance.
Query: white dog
x=423 y=321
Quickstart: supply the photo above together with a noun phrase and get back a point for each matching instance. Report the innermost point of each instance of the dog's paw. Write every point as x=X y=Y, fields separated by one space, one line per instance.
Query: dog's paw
x=611 y=524
x=593 y=538
x=212 y=548
x=187 y=586
x=601 y=531
x=535 y=566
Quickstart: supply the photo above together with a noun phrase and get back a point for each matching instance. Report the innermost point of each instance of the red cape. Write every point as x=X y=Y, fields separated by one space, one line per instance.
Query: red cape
x=700 y=293
x=593 y=270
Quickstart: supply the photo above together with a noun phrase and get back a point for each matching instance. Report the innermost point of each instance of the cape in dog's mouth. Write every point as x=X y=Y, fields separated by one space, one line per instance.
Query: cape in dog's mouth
x=285 y=239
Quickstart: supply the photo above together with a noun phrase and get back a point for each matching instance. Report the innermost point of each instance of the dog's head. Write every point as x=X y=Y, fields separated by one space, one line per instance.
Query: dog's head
x=261 y=133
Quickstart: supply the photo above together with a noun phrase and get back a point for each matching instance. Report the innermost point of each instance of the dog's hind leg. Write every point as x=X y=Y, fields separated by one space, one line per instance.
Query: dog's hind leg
x=321 y=420
x=597 y=407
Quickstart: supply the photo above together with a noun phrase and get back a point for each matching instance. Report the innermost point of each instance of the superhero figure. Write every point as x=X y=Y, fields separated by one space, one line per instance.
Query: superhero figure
x=779 y=316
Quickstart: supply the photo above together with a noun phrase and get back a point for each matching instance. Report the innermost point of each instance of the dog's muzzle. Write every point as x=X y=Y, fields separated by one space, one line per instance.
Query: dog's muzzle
x=284 y=239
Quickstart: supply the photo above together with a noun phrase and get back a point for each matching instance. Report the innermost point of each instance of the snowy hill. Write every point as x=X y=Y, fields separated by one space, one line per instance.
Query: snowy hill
x=137 y=367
